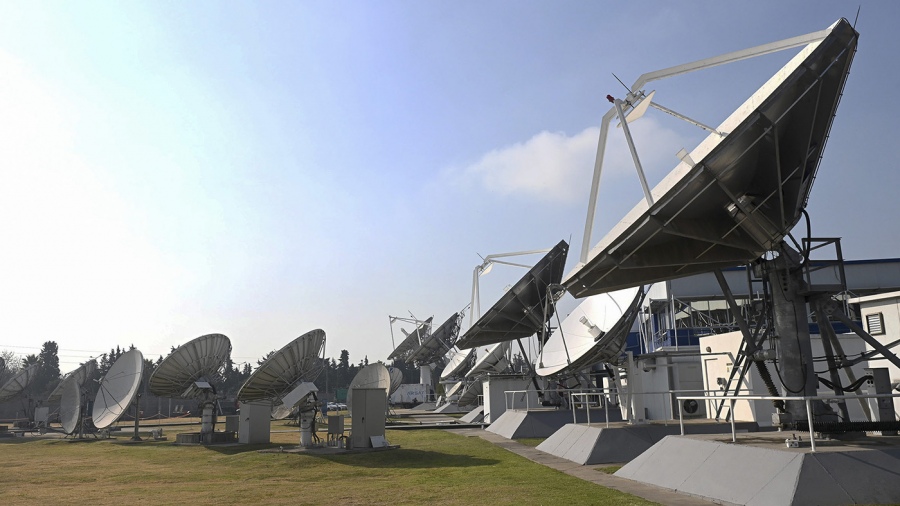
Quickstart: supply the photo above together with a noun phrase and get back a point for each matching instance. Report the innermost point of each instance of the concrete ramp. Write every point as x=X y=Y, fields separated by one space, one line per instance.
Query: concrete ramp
x=757 y=471
x=515 y=423
x=450 y=407
x=474 y=416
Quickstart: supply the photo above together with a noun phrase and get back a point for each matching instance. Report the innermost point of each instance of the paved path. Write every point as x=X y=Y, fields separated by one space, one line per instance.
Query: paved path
x=588 y=473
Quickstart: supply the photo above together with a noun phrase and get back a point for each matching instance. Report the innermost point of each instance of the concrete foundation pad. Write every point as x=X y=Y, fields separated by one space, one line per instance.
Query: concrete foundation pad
x=450 y=407
x=760 y=470
x=597 y=444
x=516 y=423
x=474 y=416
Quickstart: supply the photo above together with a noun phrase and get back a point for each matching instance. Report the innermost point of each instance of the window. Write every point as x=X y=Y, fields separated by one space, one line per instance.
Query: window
x=875 y=323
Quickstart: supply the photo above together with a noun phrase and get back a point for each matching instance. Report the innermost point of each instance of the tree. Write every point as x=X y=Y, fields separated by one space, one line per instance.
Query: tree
x=48 y=375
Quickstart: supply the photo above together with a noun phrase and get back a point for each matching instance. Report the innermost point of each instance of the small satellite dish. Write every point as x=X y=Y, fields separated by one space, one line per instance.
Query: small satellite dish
x=595 y=331
x=287 y=378
x=118 y=388
x=469 y=396
x=19 y=382
x=457 y=363
x=73 y=396
x=492 y=361
x=396 y=379
x=520 y=312
x=371 y=376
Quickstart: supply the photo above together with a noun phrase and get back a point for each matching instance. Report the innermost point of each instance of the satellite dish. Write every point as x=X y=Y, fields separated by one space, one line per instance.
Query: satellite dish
x=457 y=363
x=371 y=376
x=595 y=331
x=747 y=189
x=70 y=407
x=455 y=389
x=396 y=379
x=520 y=312
x=412 y=341
x=73 y=396
x=469 y=396
x=19 y=382
x=438 y=343
x=492 y=361
x=199 y=359
x=287 y=378
x=118 y=388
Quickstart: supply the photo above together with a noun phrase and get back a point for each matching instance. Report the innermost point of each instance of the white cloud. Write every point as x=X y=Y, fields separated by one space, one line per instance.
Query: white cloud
x=555 y=167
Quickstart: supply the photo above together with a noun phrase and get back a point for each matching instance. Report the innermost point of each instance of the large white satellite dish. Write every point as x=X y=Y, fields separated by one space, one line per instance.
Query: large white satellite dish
x=371 y=376
x=190 y=372
x=457 y=363
x=595 y=331
x=440 y=341
x=745 y=192
x=118 y=388
x=412 y=341
x=287 y=379
x=396 y=379
x=19 y=382
x=73 y=396
x=494 y=360
x=523 y=310
x=198 y=359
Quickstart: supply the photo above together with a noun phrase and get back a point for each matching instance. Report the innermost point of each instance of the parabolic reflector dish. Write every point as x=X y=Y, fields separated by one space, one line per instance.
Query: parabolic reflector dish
x=470 y=395
x=595 y=331
x=746 y=192
x=371 y=376
x=18 y=382
x=457 y=363
x=456 y=388
x=202 y=357
x=520 y=311
x=300 y=360
x=79 y=376
x=412 y=341
x=492 y=361
x=438 y=343
x=70 y=407
x=118 y=388
x=396 y=379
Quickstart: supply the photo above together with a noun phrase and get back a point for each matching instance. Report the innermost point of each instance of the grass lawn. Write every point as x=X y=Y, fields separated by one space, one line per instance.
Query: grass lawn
x=431 y=466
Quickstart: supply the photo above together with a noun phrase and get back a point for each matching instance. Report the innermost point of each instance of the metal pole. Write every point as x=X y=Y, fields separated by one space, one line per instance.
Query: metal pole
x=809 y=420
x=606 y=410
x=681 y=418
x=634 y=155
x=731 y=412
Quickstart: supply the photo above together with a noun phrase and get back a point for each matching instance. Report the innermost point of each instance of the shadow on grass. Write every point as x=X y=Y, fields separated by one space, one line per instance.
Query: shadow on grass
x=407 y=459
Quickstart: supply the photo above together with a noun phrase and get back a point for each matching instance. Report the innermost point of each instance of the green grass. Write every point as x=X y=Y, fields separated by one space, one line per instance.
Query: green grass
x=609 y=469
x=430 y=466
x=531 y=441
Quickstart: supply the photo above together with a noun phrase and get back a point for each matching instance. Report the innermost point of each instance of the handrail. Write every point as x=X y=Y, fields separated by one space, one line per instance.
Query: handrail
x=805 y=398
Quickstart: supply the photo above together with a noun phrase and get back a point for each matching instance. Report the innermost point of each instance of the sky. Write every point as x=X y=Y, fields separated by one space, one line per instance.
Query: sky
x=174 y=169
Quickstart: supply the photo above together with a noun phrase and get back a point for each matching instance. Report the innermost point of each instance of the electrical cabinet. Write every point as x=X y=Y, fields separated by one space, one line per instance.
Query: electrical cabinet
x=368 y=414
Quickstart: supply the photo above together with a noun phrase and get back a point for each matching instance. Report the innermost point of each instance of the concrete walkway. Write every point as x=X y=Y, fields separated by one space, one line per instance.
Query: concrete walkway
x=588 y=473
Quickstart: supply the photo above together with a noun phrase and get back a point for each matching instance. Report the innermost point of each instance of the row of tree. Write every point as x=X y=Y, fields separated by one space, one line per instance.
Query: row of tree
x=336 y=374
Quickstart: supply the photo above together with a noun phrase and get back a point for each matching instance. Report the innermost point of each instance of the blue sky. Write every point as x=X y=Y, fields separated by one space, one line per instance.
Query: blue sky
x=172 y=169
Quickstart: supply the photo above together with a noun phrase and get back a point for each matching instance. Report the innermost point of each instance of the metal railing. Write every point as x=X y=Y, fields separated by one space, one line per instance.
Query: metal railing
x=805 y=399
